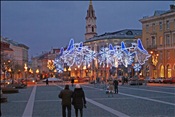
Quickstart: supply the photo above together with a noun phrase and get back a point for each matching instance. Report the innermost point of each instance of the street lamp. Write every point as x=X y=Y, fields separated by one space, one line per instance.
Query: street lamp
x=25 y=70
x=37 y=71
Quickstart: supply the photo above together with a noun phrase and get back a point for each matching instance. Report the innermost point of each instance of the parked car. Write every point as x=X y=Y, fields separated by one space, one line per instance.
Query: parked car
x=158 y=80
x=86 y=79
x=172 y=80
x=53 y=80
x=136 y=81
x=167 y=80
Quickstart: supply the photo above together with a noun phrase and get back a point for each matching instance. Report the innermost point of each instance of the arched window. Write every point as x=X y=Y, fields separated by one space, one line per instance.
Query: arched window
x=169 y=71
x=129 y=33
x=92 y=29
x=162 y=71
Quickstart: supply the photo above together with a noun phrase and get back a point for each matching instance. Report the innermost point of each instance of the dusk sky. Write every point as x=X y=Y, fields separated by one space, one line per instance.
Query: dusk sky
x=42 y=25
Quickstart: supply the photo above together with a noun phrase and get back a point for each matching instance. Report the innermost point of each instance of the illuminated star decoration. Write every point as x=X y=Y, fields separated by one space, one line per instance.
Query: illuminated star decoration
x=137 y=67
x=141 y=54
x=77 y=54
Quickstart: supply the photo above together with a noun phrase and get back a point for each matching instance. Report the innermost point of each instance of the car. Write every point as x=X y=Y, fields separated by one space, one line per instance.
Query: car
x=167 y=80
x=86 y=79
x=136 y=81
x=151 y=80
x=158 y=80
x=53 y=80
x=172 y=80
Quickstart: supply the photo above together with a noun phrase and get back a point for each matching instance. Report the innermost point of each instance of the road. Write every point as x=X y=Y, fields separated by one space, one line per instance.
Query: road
x=132 y=101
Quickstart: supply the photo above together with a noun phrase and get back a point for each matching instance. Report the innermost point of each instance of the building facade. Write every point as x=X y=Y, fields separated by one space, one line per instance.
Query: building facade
x=96 y=42
x=158 y=37
x=17 y=58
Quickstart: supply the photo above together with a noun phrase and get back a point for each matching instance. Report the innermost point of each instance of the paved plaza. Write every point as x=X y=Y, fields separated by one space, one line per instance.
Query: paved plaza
x=132 y=101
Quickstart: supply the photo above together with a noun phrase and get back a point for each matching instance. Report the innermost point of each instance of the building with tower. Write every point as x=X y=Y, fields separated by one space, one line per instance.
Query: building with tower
x=95 y=42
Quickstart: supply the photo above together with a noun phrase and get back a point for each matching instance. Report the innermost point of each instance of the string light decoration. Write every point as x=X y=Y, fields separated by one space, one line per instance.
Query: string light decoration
x=77 y=54
x=50 y=64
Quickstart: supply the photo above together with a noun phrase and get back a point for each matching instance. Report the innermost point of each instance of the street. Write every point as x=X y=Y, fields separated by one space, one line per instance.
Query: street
x=132 y=101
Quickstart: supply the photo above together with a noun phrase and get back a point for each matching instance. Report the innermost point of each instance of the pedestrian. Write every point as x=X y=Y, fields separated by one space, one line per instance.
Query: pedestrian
x=47 y=81
x=72 y=81
x=111 y=87
x=116 y=85
x=79 y=101
x=66 y=95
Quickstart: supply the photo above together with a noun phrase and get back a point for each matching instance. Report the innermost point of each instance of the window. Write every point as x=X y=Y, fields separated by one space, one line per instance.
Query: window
x=153 y=27
x=129 y=33
x=92 y=29
x=147 y=28
x=147 y=42
x=169 y=71
x=153 y=41
x=161 y=40
x=168 y=40
x=160 y=25
x=167 y=24
x=162 y=71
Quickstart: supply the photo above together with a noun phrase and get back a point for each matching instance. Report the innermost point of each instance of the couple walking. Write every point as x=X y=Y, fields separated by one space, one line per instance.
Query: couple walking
x=76 y=98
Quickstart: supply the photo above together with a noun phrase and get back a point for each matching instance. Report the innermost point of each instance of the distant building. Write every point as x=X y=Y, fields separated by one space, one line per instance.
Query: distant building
x=40 y=63
x=158 y=37
x=18 y=56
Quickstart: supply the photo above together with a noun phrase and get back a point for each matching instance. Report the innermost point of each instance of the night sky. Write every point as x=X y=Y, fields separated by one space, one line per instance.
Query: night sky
x=42 y=25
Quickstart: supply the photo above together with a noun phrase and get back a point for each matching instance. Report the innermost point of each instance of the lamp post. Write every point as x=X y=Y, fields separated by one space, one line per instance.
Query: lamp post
x=25 y=70
x=37 y=71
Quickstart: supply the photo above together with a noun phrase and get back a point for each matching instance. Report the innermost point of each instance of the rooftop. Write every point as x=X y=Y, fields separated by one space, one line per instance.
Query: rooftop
x=122 y=34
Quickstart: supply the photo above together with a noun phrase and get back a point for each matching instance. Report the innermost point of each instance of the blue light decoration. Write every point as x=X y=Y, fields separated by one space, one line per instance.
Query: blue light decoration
x=137 y=67
x=77 y=54
x=141 y=54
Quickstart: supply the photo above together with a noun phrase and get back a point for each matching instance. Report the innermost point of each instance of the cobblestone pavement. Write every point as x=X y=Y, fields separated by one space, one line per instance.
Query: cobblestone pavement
x=132 y=101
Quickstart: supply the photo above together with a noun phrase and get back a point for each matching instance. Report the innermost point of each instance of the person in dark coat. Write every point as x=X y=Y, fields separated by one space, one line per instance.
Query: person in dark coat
x=66 y=95
x=72 y=81
x=79 y=100
x=47 y=81
x=116 y=86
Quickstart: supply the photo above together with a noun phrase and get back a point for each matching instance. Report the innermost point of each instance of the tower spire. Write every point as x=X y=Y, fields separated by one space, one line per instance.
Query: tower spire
x=90 y=22
x=90 y=2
